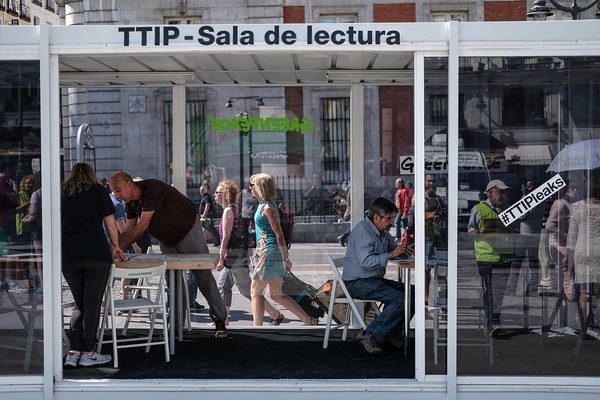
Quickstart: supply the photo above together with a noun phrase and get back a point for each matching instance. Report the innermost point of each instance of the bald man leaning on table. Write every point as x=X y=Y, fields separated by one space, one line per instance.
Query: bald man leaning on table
x=170 y=217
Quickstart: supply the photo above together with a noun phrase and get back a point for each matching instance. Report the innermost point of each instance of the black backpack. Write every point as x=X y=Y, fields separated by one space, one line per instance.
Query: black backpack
x=286 y=220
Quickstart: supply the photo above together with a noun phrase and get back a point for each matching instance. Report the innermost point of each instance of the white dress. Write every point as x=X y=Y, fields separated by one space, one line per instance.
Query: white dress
x=584 y=239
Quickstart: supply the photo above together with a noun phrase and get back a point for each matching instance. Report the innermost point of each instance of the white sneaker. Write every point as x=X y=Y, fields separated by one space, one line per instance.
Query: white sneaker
x=72 y=358
x=93 y=358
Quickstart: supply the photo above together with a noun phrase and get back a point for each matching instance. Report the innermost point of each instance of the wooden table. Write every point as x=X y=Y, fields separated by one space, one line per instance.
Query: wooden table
x=175 y=263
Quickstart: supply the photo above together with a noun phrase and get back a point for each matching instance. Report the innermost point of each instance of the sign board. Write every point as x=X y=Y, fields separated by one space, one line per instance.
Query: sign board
x=86 y=150
x=436 y=162
x=532 y=200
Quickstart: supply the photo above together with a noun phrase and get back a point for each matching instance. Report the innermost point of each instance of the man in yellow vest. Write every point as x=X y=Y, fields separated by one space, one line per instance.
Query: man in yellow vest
x=493 y=249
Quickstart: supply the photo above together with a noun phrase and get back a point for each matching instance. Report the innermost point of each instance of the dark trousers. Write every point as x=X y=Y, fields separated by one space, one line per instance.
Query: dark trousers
x=87 y=281
x=494 y=278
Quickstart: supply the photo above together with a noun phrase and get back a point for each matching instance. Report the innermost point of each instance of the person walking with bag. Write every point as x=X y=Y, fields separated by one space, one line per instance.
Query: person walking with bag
x=233 y=255
x=271 y=257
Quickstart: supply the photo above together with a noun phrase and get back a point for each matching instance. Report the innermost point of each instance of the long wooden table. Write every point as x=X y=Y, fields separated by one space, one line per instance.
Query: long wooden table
x=175 y=263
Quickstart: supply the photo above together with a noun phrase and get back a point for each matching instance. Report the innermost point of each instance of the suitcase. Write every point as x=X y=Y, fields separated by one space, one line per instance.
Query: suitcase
x=303 y=294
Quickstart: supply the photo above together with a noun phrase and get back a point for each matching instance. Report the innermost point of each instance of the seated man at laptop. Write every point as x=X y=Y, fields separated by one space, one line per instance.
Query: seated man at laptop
x=370 y=246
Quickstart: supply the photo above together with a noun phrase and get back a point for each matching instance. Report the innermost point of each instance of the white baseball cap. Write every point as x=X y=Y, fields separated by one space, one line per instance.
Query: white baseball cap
x=496 y=183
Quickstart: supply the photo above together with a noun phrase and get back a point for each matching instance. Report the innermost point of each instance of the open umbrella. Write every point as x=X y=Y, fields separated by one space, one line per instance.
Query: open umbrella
x=584 y=155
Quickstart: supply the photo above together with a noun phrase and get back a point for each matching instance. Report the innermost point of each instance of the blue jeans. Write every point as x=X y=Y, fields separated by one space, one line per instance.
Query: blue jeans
x=388 y=292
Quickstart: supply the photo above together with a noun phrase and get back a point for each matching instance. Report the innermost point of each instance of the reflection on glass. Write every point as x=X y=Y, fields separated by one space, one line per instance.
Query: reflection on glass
x=20 y=220
x=528 y=276
x=436 y=213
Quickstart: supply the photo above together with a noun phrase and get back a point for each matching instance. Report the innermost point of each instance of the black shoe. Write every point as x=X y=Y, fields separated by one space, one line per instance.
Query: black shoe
x=341 y=240
x=220 y=329
x=198 y=306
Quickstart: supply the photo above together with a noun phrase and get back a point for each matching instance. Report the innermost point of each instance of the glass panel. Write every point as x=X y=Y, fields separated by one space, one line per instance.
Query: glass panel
x=21 y=330
x=436 y=216
x=300 y=136
x=528 y=272
x=388 y=136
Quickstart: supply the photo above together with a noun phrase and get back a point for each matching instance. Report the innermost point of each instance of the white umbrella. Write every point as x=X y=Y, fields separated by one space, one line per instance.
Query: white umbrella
x=584 y=155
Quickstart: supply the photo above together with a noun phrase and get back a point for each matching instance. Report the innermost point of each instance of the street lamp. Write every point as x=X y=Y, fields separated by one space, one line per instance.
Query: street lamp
x=539 y=11
x=244 y=114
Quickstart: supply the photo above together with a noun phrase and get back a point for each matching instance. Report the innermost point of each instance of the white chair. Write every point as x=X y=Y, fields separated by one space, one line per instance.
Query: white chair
x=345 y=298
x=113 y=304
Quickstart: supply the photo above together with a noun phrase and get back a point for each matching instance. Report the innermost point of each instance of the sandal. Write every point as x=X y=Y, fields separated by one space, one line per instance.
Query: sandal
x=278 y=320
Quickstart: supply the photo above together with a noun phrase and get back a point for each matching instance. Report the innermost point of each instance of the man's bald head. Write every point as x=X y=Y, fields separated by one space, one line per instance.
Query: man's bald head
x=124 y=187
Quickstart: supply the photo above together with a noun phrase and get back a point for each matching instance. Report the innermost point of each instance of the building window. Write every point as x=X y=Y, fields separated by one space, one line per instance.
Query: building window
x=36 y=20
x=50 y=5
x=338 y=18
x=195 y=132
x=38 y=3
x=12 y=8
x=445 y=16
x=184 y=20
x=335 y=120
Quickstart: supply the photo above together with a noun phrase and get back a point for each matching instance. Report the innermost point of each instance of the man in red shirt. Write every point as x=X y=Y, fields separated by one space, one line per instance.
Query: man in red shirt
x=402 y=202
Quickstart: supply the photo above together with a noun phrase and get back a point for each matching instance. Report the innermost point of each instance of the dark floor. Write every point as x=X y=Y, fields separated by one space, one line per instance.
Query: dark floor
x=255 y=354
x=298 y=354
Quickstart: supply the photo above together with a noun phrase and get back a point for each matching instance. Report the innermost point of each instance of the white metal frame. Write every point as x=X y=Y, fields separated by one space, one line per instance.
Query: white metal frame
x=48 y=43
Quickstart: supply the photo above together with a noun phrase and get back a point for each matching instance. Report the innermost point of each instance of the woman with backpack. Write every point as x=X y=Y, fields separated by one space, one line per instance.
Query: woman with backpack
x=271 y=258
x=233 y=255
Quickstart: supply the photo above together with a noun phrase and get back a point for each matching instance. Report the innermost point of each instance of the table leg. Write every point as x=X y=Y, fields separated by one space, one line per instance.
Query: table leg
x=180 y=303
x=407 y=307
x=172 y=306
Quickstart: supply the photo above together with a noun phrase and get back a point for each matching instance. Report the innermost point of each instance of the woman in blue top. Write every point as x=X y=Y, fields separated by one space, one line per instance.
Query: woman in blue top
x=271 y=258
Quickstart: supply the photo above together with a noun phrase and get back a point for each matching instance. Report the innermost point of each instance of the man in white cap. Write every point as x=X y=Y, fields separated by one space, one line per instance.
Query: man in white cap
x=493 y=249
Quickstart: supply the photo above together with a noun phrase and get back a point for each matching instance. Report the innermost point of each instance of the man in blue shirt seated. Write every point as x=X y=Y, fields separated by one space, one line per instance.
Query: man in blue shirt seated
x=370 y=246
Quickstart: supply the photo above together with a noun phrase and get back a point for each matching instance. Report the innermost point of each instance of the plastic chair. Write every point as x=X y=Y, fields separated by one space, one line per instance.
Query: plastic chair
x=336 y=263
x=113 y=304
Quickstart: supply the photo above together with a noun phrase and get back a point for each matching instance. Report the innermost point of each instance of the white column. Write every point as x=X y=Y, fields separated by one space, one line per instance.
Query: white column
x=357 y=153
x=179 y=159
x=51 y=180
x=452 y=199
x=419 y=179
x=357 y=163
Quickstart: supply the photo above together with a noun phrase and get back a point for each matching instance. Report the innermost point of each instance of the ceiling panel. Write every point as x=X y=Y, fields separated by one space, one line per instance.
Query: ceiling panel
x=393 y=61
x=353 y=61
x=160 y=63
x=313 y=61
x=85 y=64
x=199 y=62
x=280 y=76
x=237 y=62
x=272 y=61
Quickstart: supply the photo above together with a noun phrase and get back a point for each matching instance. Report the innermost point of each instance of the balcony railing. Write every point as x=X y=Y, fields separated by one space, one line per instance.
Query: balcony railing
x=25 y=13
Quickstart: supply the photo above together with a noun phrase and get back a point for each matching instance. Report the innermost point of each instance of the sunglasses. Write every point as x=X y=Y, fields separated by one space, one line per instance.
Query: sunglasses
x=388 y=218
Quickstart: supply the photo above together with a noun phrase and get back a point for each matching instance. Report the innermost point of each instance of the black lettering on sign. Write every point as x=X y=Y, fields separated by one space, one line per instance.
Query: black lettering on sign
x=126 y=30
x=144 y=30
x=170 y=32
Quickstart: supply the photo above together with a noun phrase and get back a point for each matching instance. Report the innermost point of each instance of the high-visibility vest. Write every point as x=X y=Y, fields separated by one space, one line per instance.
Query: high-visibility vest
x=491 y=247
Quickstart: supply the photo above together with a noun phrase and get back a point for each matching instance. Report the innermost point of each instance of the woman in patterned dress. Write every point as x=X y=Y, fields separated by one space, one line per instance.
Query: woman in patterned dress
x=271 y=258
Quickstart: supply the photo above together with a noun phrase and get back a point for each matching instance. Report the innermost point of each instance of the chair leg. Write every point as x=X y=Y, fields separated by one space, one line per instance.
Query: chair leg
x=103 y=325
x=114 y=339
x=329 y=314
x=346 y=323
x=151 y=330
x=165 y=333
